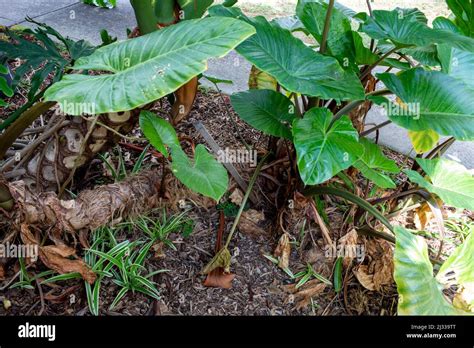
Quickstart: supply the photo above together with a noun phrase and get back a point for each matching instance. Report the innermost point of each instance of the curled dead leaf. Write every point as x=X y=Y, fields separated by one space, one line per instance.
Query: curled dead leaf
x=422 y=216
x=379 y=269
x=236 y=197
x=59 y=258
x=348 y=243
x=283 y=251
x=304 y=294
x=217 y=278
x=221 y=259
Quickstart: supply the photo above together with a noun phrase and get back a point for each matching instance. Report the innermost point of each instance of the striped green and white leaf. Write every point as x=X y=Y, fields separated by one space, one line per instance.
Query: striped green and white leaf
x=373 y=165
x=266 y=110
x=431 y=101
x=449 y=180
x=419 y=291
x=297 y=67
x=101 y=3
x=322 y=152
x=147 y=68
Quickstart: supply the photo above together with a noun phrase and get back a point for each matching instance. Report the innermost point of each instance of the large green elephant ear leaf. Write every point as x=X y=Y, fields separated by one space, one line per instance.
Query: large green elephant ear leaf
x=322 y=152
x=144 y=69
x=463 y=11
x=454 y=62
x=404 y=29
x=450 y=180
x=265 y=110
x=431 y=100
x=204 y=174
x=458 y=270
x=372 y=164
x=419 y=292
x=340 y=41
x=297 y=67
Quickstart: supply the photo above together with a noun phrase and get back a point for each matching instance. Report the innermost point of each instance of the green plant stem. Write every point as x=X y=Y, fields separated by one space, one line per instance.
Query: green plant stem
x=352 y=198
x=245 y=199
x=380 y=60
x=21 y=123
x=327 y=25
x=351 y=106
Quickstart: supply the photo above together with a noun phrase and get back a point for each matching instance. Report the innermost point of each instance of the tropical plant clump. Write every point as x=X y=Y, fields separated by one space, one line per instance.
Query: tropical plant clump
x=311 y=101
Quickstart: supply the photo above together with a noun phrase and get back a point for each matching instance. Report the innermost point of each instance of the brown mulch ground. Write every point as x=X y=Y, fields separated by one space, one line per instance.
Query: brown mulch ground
x=259 y=288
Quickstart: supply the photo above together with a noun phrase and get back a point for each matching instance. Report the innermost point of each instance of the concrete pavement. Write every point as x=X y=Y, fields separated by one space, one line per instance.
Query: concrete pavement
x=78 y=21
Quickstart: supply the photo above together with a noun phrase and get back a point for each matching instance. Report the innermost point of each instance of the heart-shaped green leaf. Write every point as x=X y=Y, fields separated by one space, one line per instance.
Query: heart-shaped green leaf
x=297 y=67
x=406 y=30
x=159 y=132
x=266 y=110
x=204 y=174
x=456 y=63
x=323 y=152
x=339 y=41
x=450 y=180
x=144 y=69
x=373 y=163
x=432 y=100
x=419 y=292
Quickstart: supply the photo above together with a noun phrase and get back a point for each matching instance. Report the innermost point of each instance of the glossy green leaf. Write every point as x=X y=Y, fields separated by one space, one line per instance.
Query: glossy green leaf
x=158 y=131
x=323 y=152
x=349 y=13
x=454 y=62
x=419 y=292
x=340 y=42
x=407 y=31
x=144 y=69
x=433 y=101
x=372 y=164
x=458 y=268
x=423 y=141
x=463 y=11
x=297 y=67
x=265 y=110
x=291 y=23
x=203 y=174
x=450 y=180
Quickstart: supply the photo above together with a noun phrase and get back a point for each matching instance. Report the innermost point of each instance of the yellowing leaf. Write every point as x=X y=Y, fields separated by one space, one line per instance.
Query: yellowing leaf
x=423 y=141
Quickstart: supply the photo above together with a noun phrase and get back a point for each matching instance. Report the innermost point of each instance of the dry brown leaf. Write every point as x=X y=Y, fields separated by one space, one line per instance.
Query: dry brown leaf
x=348 y=242
x=423 y=215
x=378 y=271
x=2 y=272
x=283 y=251
x=366 y=279
x=236 y=197
x=250 y=221
x=57 y=257
x=219 y=279
x=304 y=294
x=220 y=260
x=185 y=97
x=158 y=248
